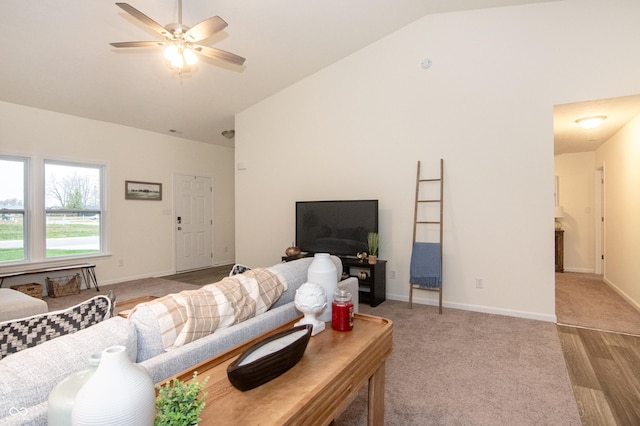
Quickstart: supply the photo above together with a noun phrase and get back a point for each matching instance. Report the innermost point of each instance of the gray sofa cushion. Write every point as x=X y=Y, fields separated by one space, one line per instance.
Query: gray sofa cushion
x=19 y=334
x=149 y=337
x=29 y=376
x=178 y=319
x=178 y=359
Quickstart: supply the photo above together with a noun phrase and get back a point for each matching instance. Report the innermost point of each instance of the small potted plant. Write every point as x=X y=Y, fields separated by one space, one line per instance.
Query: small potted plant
x=374 y=244
x=180 y=403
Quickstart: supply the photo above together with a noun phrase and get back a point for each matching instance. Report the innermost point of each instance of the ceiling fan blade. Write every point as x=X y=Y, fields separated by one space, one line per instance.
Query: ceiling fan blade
x=205 y=29
x=144 y=19
x=138 y=44
x=214 y=53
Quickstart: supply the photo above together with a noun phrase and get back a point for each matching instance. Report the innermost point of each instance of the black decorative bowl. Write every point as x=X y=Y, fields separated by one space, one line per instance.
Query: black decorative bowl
x=269 y=358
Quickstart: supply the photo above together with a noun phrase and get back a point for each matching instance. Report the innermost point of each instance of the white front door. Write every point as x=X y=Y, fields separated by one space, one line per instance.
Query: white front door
x=193 y=222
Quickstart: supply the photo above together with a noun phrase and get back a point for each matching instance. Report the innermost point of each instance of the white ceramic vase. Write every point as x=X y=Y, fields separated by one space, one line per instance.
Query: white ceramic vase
x=63 y=395
x=323 y=272
x=118 y=393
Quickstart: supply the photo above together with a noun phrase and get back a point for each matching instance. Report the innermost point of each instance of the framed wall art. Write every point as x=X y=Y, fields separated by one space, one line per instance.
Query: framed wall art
x=142 y=190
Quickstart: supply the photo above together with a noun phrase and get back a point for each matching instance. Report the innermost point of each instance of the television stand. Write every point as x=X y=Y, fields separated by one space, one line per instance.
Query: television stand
x=372 y=281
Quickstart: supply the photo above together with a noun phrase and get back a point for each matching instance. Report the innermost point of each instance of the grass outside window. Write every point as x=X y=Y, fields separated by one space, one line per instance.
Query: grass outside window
x=14 y=231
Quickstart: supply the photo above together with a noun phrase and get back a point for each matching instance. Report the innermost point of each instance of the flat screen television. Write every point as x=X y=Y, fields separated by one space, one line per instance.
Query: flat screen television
x=336 y=227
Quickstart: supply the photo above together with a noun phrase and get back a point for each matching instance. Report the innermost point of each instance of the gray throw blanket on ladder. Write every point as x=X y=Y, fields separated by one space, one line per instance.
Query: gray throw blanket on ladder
x=426 y=265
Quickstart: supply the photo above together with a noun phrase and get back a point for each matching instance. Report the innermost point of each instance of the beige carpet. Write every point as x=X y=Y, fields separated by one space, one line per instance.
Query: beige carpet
x=469 y=368
x=585 y=300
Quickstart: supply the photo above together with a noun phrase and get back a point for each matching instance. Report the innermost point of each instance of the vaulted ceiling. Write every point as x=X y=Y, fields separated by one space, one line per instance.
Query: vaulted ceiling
x=57 y=55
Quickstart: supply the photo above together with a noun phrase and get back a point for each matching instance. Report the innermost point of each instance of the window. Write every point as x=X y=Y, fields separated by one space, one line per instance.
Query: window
x=50 y=212
x=73 y=209
x=13 y=172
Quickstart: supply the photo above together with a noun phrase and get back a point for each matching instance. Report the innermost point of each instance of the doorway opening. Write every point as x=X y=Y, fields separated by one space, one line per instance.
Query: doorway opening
x=599 y=221
x=579 y=161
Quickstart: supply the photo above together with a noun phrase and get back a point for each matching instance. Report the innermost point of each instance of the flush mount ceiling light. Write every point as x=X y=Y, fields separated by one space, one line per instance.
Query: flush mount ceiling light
x=591 y=122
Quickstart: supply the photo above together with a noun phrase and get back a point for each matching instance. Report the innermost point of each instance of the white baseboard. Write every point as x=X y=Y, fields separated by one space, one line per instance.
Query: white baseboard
x=624 y=295
x=580 y=270
x=478 y=308
x=158 y=274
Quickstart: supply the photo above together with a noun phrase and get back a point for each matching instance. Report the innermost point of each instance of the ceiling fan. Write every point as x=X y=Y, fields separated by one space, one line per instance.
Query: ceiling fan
x=179 y=44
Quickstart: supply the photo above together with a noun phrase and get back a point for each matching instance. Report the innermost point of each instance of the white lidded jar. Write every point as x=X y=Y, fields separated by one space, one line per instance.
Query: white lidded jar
x=323 y=272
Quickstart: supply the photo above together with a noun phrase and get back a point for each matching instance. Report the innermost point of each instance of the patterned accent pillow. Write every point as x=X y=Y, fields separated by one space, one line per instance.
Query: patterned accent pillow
x=238 y=269
x=19 y=334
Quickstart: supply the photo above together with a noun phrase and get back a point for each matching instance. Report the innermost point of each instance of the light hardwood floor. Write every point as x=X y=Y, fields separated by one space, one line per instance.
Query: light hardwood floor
x=604 y=369
x=202 y=276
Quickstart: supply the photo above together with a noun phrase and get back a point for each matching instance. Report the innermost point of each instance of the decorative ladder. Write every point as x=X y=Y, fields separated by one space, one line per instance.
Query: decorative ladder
x=438 y=223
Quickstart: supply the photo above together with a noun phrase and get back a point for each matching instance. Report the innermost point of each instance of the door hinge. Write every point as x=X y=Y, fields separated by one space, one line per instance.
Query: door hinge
x=602 y=256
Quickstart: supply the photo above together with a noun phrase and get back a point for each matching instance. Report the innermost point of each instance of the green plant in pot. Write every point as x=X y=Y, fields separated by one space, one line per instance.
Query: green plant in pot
x=373 y=240
x=180 y=403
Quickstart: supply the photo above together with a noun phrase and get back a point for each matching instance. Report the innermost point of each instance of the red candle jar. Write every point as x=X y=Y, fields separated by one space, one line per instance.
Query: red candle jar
x=342 y=310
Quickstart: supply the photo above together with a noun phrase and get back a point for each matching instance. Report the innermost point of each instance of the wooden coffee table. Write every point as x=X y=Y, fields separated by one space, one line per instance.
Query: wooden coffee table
x=315 y=391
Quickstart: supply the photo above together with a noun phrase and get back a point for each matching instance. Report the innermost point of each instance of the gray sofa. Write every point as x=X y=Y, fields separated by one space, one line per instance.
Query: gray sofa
x=27 y=377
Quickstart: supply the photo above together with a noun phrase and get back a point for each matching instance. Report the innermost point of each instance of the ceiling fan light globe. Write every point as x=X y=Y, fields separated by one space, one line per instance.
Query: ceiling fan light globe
x=189 y=56
x=177 y=61
x=170 y=52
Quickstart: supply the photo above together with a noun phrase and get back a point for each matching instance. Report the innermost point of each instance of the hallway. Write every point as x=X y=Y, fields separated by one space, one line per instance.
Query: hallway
x=584 y=300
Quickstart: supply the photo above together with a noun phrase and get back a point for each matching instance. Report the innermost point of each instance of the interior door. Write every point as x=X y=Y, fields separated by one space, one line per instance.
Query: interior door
x=600 y=228
x=193 y=222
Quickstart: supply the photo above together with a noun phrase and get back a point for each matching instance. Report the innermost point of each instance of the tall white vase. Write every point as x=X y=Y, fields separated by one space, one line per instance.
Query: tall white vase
x=323 y=272
x=118 y=393
x=63 y=395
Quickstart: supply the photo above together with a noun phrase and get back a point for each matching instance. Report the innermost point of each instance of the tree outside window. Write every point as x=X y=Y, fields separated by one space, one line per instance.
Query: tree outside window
x=72 y=209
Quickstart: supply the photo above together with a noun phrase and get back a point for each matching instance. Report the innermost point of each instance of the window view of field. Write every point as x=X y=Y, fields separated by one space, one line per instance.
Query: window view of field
x=71 y=214
x=67 y=235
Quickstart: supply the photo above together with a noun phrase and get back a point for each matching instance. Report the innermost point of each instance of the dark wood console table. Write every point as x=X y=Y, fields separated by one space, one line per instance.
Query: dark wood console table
x=559 y=250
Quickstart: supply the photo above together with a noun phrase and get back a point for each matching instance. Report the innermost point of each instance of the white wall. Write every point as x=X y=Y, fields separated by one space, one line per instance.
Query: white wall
x=620 y=157
x=576 y=174
x=141 y=232
x=357 y=128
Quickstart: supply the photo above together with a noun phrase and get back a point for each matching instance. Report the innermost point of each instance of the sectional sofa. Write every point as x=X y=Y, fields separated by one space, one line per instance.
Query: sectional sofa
x=28 y=376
